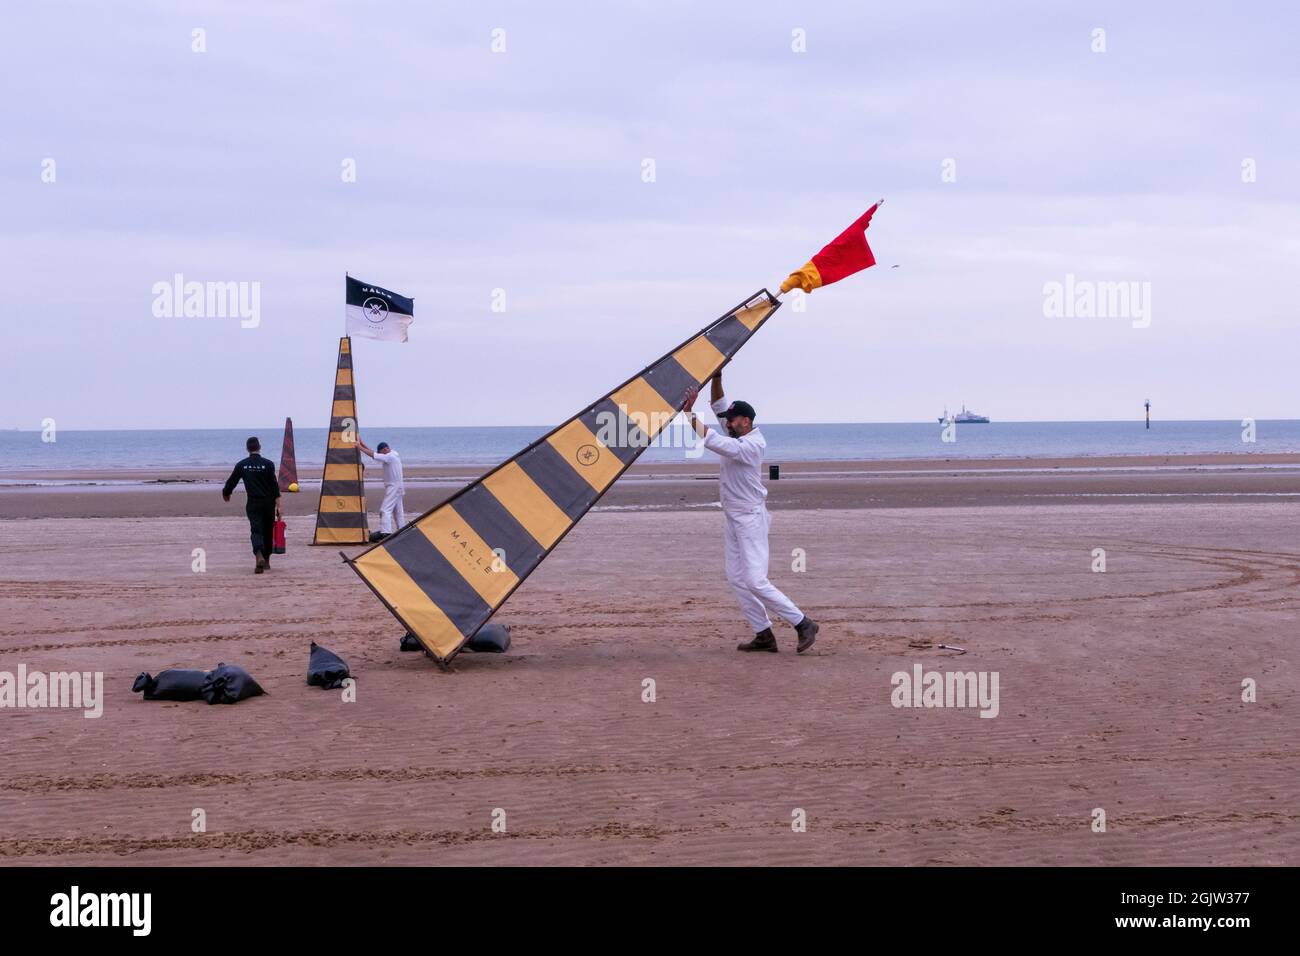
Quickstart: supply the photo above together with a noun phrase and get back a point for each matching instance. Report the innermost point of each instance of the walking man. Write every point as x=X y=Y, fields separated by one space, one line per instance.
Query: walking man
x=263 y=505
x=744 y=510
x=391 y=508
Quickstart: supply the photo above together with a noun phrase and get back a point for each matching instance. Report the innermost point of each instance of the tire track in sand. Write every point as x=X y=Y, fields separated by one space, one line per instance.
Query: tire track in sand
x=249 y=841
x=110 y=781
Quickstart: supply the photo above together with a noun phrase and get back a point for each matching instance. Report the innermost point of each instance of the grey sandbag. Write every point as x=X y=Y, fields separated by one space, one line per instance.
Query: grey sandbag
x=171 y=685
x=491 y=639
x=229 y=684
x=325 y=668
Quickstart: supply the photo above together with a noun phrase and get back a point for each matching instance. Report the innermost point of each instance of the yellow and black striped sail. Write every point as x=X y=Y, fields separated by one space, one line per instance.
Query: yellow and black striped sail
x=341 y=517
x=446 y=573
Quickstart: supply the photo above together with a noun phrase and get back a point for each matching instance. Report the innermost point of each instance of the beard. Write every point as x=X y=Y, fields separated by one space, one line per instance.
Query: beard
x=732 y=431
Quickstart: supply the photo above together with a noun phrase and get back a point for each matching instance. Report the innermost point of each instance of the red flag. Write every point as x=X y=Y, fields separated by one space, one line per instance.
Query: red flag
x=846 y=254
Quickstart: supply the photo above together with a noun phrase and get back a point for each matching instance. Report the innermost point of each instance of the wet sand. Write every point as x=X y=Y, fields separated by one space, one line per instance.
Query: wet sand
x=693 y=485
x=1119 y=690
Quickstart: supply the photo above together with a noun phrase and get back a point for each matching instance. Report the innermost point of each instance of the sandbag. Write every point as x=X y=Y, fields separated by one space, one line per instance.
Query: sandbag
x=229 y=684
x=410 y=642
x=491 y=639
x=171 y=685
x=325 y=668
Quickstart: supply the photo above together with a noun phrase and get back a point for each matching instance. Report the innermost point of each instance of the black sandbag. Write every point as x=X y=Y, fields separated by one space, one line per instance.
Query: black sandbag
x=410 y=642
x=171 y=685
x=325 y=668
x=491 y=639
x=229 y=684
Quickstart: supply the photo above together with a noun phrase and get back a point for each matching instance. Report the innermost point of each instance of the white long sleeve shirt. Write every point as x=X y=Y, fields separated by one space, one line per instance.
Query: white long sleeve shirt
x=392 y=468
x=740 y=481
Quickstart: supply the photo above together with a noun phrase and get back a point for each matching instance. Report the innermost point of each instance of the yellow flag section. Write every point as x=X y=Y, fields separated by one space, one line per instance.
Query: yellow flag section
x=446 y=573
x=341 y=517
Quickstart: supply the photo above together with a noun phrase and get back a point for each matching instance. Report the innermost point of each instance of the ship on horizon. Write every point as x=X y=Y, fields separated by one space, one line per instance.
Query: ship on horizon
x=963 y=417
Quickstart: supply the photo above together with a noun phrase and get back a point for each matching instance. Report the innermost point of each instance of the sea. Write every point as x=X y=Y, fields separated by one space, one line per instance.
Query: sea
x=96 y=451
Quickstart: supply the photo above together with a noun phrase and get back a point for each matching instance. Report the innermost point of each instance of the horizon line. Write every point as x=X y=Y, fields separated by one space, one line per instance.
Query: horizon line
x=935 y=421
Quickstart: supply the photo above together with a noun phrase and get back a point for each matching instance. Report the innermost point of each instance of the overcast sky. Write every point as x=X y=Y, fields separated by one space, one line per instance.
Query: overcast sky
x=522 y=170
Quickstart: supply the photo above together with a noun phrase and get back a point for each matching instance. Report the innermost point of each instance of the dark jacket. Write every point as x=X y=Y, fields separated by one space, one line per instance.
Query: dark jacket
x=258 y=474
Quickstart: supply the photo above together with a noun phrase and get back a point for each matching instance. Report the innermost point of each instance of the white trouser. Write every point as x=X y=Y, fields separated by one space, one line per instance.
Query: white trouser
x=392 y=505
x=745 y=547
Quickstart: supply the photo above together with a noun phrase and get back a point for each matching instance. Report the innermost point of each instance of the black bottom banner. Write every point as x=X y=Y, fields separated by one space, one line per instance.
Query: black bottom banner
x=180 y=906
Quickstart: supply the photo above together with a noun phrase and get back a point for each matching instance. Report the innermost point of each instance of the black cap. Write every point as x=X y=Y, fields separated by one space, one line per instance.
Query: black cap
x=740 y=410
x=382 y=445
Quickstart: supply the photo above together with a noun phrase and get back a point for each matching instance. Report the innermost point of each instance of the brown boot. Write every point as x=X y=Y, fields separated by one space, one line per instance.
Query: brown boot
x=764 y=640
x=261 y=565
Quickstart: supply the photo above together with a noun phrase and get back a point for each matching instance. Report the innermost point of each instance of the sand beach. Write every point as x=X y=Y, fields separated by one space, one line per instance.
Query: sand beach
x=1119 y=690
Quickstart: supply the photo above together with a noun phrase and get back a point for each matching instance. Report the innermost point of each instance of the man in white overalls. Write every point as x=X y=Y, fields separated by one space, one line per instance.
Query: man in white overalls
x=744 y=509
x=391 y=508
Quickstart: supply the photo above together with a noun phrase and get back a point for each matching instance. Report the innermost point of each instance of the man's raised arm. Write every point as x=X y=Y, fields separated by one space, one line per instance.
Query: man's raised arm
x=717 y=399
x=718 y=444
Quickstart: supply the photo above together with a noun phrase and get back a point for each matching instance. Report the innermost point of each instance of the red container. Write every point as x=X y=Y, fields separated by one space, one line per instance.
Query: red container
x=277 y=538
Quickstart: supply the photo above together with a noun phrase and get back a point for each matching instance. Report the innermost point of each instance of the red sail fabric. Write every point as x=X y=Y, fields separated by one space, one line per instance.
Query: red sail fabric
x=847 y=253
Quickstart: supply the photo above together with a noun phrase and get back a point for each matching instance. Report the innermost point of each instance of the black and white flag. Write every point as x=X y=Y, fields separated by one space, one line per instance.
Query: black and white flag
x=376 y=313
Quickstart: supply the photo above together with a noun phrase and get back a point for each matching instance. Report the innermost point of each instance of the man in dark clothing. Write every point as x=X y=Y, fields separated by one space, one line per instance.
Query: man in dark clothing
x=263 y=507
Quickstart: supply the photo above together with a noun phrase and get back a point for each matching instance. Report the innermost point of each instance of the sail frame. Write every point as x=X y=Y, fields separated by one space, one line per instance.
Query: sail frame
x=287 y=474
x=354 y=502
x=754 y=301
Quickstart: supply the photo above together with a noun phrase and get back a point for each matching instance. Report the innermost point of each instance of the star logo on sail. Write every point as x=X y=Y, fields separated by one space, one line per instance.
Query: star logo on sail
x=588 y=455
x=376 y=309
